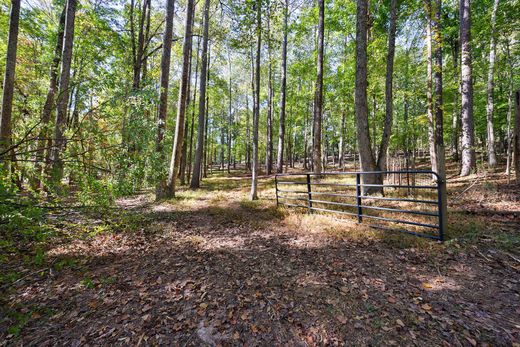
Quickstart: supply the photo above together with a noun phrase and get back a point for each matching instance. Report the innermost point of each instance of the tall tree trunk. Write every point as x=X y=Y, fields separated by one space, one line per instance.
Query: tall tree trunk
x=492 y=159
x=509 y=110
x=139 y=46
x=366 y=155
x=199 y=149
x=184 y=150
x=63 y=96
x=429 y=87
x=318 y=96
x=389 y=100
x=163 y=93
x=206 y=151
x=230 y=118
x=516 y=137
x=248 y=134
x=256 y=107
x=306 y=139
x=283 y=90
x=439 y=119
x=270 y=92
x=342 y=140
x=146 y=43
x=8 y=89
x=192 y=129
x=181 y=106
x=455 y=119
x=468 y=140
x=222 y=142
x=44 y=135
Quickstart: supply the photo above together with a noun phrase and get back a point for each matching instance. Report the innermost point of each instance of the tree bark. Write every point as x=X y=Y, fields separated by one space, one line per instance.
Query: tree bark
x=184 y=149
x=206 y=158
x=492 y=159
x=468 y=141
x=389 y=112
x=63 y=96
x=509 y=111
x=8 y=88
x=318 y=97
x=270 y=92
x=181 y=106
x=163 y=94
x=342 y=140
x=361 y=104
x=429 y=86
x=256 y=106
x=192 y=129
x=230 y=118
x=283 y=90
x=439 y=118
x=455 y=119
x=199 y=149
x=44 y=134
x=516 y=137
x=139 y=47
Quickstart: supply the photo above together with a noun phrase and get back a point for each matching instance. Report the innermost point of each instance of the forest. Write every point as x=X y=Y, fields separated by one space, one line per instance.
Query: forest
x=147 y=148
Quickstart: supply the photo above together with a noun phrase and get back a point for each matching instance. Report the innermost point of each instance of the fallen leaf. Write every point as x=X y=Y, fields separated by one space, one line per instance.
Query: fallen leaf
x=392 y=300
x=342 y=319
x=426 y=307
x=472 y=341
x=399 y=322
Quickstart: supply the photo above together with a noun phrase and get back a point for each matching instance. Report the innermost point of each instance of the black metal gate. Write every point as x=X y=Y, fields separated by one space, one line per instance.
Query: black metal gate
x=423 y=193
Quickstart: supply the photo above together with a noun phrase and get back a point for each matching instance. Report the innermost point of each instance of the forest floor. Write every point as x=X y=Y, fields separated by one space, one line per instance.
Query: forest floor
x=212 y=268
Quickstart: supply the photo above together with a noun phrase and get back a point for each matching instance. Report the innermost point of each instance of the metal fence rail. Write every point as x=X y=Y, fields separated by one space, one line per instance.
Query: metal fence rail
x=346 y=193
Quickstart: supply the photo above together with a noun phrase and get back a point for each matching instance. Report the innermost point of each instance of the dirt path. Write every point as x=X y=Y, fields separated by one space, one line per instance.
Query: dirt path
x=211 y=269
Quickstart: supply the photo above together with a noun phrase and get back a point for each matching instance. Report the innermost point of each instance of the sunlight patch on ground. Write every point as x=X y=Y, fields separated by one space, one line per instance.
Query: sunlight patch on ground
x=437 y=283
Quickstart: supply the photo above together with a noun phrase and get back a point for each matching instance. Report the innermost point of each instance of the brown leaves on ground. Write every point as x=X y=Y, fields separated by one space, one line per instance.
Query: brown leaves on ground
x=229 y=272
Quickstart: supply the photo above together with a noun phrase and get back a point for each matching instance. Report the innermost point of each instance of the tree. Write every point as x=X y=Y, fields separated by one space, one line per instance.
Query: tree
x=8 y=89
x=164 y=86
x=283 y=90
x=256 y=105
x=439 y=117
x=468 y=142
x=199 y=149
x=361 y=105
x=318 y=96
x=509 y=110
x=429 y=86
x=367 y=159
x=342 y=140
x=44 y=135
x=492 y=159
x=138 y=48
x=181 y=106
x=230 y=116
x=63 y=96
x=270 y=95
x=516 y=137
x=389 y=87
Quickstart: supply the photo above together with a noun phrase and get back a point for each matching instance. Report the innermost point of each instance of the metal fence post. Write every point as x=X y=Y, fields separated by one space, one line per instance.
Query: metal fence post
x=443 y=208
x=309 y=194
x=358 y=194
x=276 y=189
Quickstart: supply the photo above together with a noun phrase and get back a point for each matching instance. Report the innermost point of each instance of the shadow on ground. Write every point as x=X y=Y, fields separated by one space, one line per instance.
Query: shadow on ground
x=219 y=270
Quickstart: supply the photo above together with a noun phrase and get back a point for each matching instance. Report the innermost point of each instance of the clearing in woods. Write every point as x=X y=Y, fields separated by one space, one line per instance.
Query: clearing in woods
x=213 y=268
